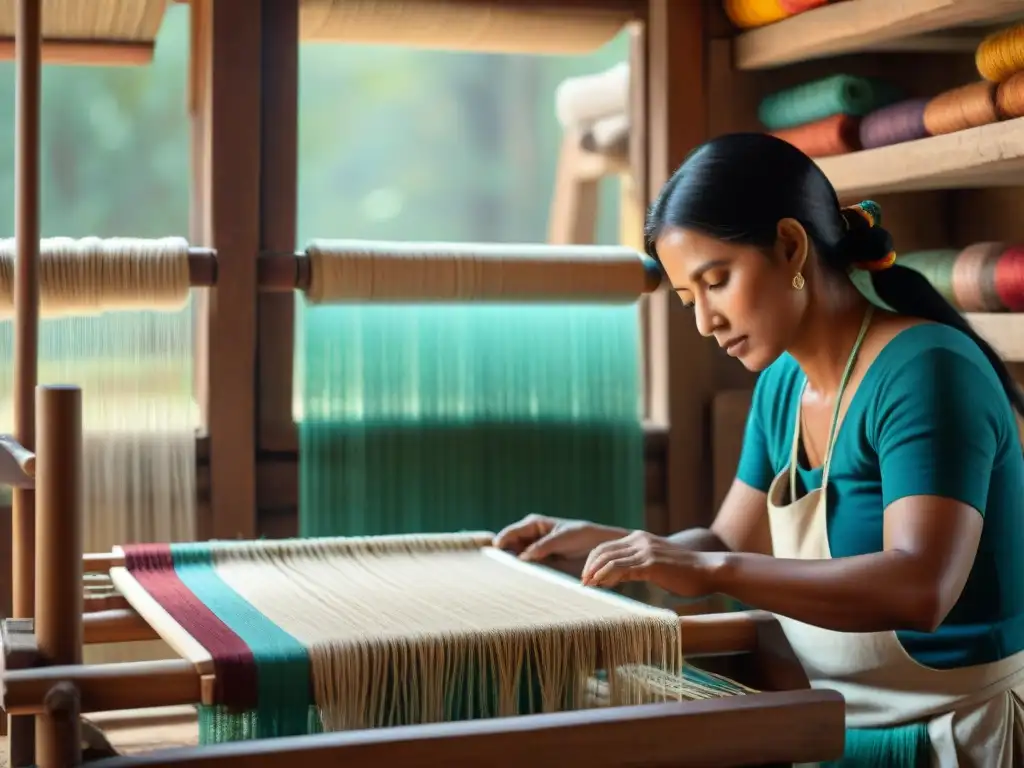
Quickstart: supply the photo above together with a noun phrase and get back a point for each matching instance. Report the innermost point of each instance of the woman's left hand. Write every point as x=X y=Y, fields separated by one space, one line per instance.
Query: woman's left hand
x=642 y=556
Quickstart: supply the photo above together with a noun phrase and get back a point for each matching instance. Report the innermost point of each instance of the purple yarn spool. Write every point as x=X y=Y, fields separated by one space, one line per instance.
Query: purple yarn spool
x=899 y=122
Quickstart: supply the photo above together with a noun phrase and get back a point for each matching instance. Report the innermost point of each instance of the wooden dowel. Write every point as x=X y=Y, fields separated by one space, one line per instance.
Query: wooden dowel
x=62 y=747
x=59 y=582
x=116 y=626
x=106 y=687
x=17 y=464
x=284 y=272
x=98 y=53
x=28 y=58
x=102 y=562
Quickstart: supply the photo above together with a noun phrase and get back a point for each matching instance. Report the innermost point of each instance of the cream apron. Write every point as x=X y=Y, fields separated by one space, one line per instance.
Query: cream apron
x=975 y=716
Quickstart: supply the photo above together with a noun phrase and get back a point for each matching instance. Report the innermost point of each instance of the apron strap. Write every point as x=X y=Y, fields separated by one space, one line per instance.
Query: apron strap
x=834 y=424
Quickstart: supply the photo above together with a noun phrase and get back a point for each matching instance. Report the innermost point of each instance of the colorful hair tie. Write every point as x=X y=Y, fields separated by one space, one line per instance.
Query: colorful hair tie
x=878 y=265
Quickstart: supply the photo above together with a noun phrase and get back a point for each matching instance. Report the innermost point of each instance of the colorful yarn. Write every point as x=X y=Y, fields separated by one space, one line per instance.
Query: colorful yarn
x=1010 y=96
x=747 y=14
x=436 y=418
x=835 y=95
x=905 y=746
x=1009 y=278
x=264 y=675
x=794 y=7
x=1001 y=54
x=936 y=267
x=968 y=106
x=836 y=135
x=895 y=124
x=984 y=277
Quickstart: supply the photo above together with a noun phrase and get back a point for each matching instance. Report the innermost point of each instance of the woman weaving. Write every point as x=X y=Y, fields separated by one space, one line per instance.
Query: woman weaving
x=878 y=508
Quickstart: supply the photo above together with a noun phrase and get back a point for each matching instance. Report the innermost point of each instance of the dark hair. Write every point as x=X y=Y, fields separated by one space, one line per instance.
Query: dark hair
x=739 y=186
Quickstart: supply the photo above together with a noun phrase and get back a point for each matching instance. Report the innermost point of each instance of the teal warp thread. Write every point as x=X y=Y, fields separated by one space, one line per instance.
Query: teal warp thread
x=905 y=746
x=282 y=662
x=439 y=418
x=816 y=100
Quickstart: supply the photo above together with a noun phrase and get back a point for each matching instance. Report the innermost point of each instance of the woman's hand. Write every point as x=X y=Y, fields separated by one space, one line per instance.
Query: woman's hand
x=536 y=537
x=642 y=556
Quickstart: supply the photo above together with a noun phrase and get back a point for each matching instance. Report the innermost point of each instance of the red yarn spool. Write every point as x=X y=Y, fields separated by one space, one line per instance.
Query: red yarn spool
x=1009 y=278
x=836 y=135
x=793 y=7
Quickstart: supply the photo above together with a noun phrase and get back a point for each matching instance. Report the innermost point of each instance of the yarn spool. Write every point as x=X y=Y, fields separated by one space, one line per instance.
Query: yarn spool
x=793 y=7
x=968 y=106
x=936 y=267
x=835 y=95
x=747 y=14
x=895 y=124
x=974 y=278
x=836 y=135
x=1010 y=96
x=1009 y=278
x=1001 y=54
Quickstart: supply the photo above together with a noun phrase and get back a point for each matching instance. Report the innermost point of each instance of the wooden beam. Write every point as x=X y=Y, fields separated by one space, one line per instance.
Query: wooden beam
x=227 y=129
x=278 y=207
x=681 y=363
x=98 y=53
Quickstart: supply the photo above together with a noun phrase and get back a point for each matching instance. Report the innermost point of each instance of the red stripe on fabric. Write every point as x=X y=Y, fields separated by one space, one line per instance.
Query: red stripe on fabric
x=237 y=683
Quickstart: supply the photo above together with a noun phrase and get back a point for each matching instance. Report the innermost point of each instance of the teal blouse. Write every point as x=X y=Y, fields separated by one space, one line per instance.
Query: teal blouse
x=930 y=417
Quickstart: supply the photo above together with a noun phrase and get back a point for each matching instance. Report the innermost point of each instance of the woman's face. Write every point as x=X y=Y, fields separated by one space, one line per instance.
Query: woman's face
x=740 y=295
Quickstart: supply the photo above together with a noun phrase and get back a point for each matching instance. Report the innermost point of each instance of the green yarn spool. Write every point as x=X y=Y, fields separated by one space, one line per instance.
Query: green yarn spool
x=835 y=95
x=462 y=417
x=936 y=267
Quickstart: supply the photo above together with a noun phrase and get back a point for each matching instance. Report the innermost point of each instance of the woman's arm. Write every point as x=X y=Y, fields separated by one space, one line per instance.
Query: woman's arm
x=741 y=525
x=930 y=543
x=937 y=425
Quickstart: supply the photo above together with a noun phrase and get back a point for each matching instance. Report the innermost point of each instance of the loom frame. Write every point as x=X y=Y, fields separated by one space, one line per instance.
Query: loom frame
x=255 y=213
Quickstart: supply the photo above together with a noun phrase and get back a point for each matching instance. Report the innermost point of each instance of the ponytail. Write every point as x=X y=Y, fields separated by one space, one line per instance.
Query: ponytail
x=866 y=245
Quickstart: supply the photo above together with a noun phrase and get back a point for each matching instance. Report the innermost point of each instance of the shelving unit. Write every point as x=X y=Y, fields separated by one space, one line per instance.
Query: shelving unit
x=989 y=156
x=874 y=25
x=942 y=192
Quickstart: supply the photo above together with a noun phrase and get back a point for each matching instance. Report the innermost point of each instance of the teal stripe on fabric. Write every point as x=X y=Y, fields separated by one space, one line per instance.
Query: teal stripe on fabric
x=282 y=662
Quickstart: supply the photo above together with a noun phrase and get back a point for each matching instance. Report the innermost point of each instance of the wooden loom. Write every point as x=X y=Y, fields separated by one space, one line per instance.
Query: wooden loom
x=792 y=725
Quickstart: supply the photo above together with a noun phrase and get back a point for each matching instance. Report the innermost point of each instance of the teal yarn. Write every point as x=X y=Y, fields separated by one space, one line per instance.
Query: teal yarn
x=285 y=705
x=835 y=95
x=439 y=418
x=905 y=746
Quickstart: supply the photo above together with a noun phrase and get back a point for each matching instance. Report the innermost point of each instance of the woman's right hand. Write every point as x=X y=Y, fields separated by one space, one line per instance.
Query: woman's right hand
x=536 y=537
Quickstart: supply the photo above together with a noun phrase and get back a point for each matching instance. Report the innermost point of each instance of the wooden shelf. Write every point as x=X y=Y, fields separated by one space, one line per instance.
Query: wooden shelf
x=1004 y=331
x=862 y=25
x=989 y=156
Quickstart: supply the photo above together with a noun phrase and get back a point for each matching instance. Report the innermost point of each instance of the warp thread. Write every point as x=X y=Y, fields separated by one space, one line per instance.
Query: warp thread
x=894 y=124
x=1001 y=54
x=836 y=135
x=983 y=277
x=818 y=99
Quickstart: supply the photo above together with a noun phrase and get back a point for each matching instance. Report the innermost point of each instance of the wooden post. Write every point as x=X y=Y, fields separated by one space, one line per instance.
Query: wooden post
x=226 y=210
x=681 y=362
x=28 y=36
x=59 y=582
